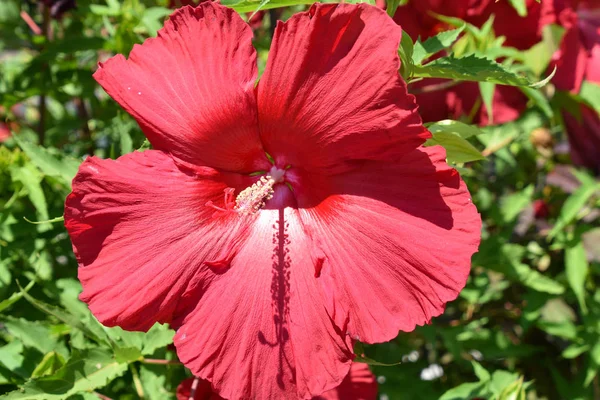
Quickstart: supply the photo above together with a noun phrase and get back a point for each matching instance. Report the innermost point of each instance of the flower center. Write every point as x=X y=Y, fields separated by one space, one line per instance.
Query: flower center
x=253 y=198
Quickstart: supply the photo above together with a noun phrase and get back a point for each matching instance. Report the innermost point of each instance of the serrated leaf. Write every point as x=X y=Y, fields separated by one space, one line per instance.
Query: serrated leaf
x=576 y=266
x=157 y=337
x=154 y=380
x=85 y=371
x=473 y=68
x=434 y=44
x=89 y=330
x=35 y=335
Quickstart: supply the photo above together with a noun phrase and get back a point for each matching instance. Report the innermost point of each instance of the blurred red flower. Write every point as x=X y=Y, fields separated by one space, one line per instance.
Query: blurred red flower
x=5 y=133
x=418 y=20
x=272 y=224
x=464 y=99
x=359 y=384
x=583 y=131
x=578 y=58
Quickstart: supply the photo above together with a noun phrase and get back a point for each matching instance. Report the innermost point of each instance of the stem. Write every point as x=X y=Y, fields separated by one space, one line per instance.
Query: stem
x=83 y=114
x=103 y=397
x=47 y=32
x=434 y=88
x=136 y=382
x=35 y=28
x=161 y=362
x=194 y=388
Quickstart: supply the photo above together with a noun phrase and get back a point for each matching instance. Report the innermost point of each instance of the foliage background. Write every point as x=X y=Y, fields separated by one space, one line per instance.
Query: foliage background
x=527 y=325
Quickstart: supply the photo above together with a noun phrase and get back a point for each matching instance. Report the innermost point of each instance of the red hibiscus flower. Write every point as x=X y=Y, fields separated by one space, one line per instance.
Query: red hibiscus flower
x=578 y=58
x=359 y=384
x=417 y=18
x=273 y=222
x=464 y=99
x=5 y=133
x=583 y=132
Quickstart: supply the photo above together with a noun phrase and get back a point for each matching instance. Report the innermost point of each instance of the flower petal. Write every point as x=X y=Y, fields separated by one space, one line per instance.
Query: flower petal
x=570 y=61
x=203 y=390
x=191 y=89
x=396 y=241
x=331 y=90
x=359 y=384
x=143 y=236
x=261 y=330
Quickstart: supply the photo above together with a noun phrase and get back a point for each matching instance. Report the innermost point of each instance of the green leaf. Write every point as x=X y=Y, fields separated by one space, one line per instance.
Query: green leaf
x=85 y=371
x=127 y=354
x=434 y=44
x=480 y=372
x=512 y=205
x=520 y=6
x=157 y=337
x=465 y=131
x=474 y=68
x=30 y=178
x=575 y=350
x=245 y=6
x=466 y=391
x=48 y=163
x=49 y=365
x=92 y=331
x=539 y=99
x=458 y=150
x=590 y=93
x=35 y=335
x=405 y=52
x=572 y=206
x=4 y=304
x=391 y=7
x=576 y=265
x=594 y=364
x=154 y=380
x=487 y=90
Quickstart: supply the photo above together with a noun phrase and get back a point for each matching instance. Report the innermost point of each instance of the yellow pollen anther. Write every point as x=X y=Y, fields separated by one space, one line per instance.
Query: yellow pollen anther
x=253 y=198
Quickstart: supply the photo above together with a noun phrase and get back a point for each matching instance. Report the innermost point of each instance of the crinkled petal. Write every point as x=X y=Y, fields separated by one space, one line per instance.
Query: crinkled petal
x=191 y=89
x=331 y=92
x=395 y=240
x=359 y=384
x=144 y=237
x=261 y=330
